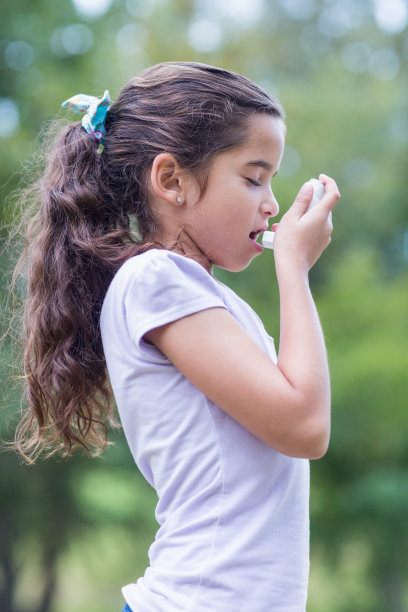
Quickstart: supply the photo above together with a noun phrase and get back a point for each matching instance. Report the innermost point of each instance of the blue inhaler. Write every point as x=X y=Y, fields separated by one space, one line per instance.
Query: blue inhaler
x=318 y=193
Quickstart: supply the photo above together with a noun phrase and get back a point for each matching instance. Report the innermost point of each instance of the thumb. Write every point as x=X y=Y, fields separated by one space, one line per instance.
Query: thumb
x=303 y=198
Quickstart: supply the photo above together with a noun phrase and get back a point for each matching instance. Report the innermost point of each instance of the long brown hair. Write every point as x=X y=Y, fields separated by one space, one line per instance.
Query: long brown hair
x=92 y=213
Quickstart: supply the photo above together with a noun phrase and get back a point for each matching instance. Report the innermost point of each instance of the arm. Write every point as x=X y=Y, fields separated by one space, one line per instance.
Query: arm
x=286 y=405
x=302 y=355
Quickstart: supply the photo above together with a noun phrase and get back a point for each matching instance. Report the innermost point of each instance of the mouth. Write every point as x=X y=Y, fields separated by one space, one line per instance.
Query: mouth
x=255 y=235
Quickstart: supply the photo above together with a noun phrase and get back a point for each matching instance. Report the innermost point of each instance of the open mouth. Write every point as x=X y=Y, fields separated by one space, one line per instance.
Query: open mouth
x=254 y=235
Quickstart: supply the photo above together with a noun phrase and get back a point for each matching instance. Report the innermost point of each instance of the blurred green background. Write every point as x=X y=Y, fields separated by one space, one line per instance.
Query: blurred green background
x=73 y=532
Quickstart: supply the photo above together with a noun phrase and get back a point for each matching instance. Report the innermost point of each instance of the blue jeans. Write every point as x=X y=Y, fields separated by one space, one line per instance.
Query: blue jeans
x=126 y=609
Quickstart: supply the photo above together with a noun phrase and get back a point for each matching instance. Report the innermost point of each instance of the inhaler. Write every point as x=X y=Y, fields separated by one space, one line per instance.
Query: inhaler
x=318 y=193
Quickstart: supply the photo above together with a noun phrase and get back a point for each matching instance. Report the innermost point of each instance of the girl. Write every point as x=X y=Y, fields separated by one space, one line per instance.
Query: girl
x=120 y=275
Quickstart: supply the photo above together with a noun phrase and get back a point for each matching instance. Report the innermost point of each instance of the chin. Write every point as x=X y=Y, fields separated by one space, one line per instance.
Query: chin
x=234 y=266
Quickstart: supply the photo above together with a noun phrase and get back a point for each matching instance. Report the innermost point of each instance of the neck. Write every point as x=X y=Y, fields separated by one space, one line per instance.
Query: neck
x=182 y=242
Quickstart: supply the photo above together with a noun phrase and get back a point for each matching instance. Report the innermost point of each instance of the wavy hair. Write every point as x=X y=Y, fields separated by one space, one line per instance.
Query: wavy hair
x=91 y=213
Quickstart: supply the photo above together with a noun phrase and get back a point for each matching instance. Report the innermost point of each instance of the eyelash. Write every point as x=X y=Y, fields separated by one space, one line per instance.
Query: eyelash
x=255 y=183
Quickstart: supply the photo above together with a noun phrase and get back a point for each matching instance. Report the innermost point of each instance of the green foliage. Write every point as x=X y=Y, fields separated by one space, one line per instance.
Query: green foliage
x=361 y=489
x=89 y=522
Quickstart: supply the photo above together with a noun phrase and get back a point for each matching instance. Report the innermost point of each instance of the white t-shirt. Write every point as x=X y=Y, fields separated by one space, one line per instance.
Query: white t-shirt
x=233 y=512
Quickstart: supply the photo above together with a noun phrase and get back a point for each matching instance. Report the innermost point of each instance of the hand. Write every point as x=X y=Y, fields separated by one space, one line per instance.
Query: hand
x=302 y=237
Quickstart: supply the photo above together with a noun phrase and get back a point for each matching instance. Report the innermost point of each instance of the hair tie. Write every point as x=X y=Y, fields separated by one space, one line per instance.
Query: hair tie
x=95 y=110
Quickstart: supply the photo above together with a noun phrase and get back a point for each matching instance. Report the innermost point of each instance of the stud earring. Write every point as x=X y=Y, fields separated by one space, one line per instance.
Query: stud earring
x=179 y=198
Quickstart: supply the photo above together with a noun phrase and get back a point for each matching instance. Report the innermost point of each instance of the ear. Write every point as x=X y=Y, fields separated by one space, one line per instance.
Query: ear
x=168 y=179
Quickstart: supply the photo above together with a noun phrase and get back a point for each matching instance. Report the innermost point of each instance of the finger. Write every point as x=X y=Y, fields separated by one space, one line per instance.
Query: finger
x=332 y=193
x=330 y=223
x=303 y=199
x=330 y=184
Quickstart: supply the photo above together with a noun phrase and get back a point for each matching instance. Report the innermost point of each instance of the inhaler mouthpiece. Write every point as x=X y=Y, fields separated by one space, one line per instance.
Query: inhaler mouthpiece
x=318 y=193
x=267 y=239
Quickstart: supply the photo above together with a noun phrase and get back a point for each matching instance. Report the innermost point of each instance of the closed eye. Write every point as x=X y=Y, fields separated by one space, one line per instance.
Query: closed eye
x=253 y=182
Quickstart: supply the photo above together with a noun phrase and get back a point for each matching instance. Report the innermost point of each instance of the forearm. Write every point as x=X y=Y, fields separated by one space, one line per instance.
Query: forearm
x=302 y=357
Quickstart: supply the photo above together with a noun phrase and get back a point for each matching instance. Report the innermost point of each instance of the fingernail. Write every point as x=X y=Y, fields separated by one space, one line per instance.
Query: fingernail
x=307 y=188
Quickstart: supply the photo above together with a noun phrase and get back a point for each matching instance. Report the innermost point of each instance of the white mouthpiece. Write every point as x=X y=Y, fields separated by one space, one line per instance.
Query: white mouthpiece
x=267 y=239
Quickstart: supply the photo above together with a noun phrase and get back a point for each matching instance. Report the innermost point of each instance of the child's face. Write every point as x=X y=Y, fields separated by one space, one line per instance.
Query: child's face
x=239 y=200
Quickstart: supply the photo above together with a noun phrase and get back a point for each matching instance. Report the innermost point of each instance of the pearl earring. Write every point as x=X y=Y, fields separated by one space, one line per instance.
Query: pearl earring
x=179 y=198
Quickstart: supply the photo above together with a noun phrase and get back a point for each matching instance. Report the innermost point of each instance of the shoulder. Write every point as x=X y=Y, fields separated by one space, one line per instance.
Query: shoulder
x=158 y=287
x=165 y=273
x=160 y=280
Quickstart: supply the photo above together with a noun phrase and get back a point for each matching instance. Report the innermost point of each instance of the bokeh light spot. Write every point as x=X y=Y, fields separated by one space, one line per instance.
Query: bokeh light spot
x=9 y=118
x=335 y=21
x=391 y=15
x=92 y=8
x=18 y=55
x=242 y=13
x=131 y=38
x=205 y=35
x=74 y=39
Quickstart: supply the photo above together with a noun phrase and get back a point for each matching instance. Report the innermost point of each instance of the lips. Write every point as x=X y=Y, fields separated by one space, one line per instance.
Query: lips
x=255 y=235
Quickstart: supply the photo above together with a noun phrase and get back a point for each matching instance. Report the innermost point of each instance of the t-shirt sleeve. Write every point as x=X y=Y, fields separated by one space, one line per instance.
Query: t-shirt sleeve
x=163 y=287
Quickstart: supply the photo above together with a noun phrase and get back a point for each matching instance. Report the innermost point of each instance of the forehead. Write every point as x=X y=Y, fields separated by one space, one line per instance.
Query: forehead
x=264 y=140
x=262 y=147
x=264 y=132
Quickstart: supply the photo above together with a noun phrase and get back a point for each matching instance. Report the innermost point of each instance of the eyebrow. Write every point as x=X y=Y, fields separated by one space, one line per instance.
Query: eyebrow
x=261 y=163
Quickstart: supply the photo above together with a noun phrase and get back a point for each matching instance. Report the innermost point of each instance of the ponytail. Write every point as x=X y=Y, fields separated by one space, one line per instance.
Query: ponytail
x=76 y=241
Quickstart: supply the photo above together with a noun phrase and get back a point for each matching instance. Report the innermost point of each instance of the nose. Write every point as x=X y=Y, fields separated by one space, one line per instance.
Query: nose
x=270 y=206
